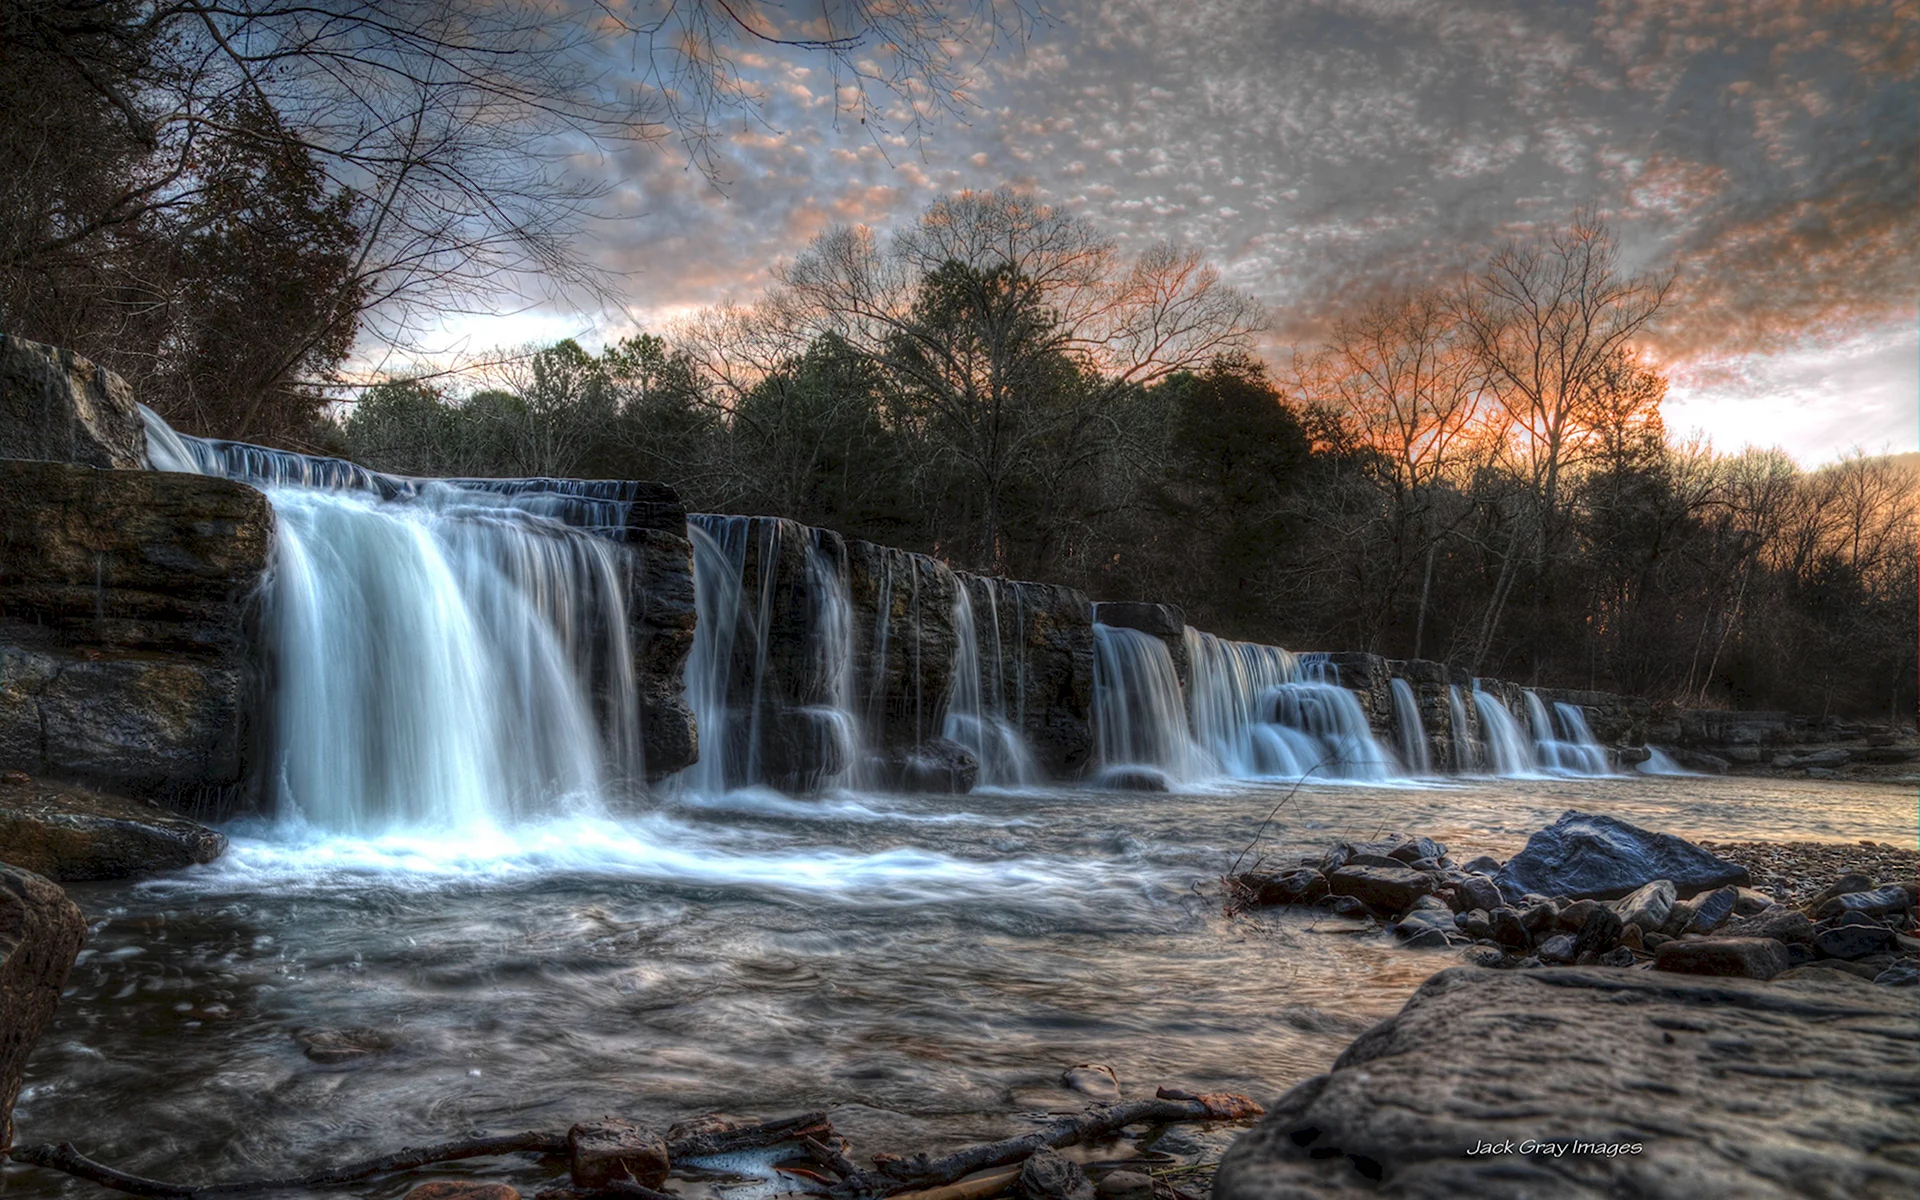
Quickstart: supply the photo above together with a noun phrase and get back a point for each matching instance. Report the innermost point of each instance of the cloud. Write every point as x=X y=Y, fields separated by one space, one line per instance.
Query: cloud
x=1319 y=151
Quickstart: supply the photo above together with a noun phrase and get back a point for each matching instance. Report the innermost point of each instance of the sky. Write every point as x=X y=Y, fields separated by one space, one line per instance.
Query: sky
x=1319 y=152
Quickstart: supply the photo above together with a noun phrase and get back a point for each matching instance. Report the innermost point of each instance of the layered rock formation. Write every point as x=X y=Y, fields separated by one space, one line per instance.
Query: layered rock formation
x=1164 y=621
x=903 y=647
x=1579 y=1082
x=127 y=627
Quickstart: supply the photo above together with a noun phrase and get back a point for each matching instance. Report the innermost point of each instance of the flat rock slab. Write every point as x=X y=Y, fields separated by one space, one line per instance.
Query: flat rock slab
x=1591 y=1083
x=1585 y=854
x=71 y=835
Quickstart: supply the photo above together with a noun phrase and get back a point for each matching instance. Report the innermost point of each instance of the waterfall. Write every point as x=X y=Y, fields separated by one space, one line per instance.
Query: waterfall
x=1407 y=727
x=1509 y=749
x=1569 y=749
x=765 y=717
x=1319 y=707
x=1466 y=756
x=978 y=720
x=443 y=653
x=1659 y=762
x=1139 y=713
x=1228 y=681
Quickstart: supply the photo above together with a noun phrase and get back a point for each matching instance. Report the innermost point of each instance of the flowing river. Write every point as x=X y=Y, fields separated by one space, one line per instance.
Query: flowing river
x=924 y=966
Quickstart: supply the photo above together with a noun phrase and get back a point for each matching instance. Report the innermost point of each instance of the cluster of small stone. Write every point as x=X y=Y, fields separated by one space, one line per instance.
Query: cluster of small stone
x=1704 y=922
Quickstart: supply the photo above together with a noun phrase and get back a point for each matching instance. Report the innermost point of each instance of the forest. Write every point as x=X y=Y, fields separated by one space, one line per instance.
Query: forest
x=1471 y=469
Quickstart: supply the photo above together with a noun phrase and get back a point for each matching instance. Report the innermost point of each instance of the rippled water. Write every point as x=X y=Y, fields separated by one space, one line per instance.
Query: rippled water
x=926 y=966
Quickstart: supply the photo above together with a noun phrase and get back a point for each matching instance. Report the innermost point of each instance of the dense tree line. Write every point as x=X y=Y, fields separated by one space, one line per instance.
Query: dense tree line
x=1475 y=473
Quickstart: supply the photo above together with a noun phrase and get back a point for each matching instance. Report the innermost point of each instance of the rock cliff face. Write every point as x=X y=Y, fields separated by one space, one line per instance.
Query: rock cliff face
x=40 y=933
x=1447 y=749
x=661 y=611
x=58 y=407
x=126 y=628
x=1044 y=666
x=903 y=639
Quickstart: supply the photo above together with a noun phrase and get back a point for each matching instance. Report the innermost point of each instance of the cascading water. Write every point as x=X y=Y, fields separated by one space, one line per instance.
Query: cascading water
x=977 y=719
x=730 y=682
x=1569 y=749
x=1659 y=762
x=1319 y=707
x=1509 y=749
x=439 y=648
x=1408 y=730
x=1228 y=681
x=1466 y=750
x=1139 y=713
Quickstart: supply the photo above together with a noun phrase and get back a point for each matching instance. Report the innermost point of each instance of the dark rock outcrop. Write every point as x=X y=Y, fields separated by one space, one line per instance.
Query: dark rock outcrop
x=1574 y=1082
x=903 y=644
x=40 y=933
x=59 y=407
x=70 y=835
x=1584 y=854
x=661 y=612
x=127 y=627
x=1036 y=651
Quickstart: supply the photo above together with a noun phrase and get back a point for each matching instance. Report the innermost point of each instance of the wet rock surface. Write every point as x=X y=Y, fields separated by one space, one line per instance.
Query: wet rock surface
x=70 y=835
x=40 y=933
x=1584 y=854
x=1579 y=1082
x=127 y=627
x=1036 y=651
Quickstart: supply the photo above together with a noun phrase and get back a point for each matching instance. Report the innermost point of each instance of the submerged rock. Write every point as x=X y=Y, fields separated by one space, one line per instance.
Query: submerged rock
x=1509 y=1084
x=1584 y=854
x=1133 y=779
x=1049 y=1176
x=40 y=933
x=71 y=835
x=601 y=1152
x=939 y=766
x=1092 y=1079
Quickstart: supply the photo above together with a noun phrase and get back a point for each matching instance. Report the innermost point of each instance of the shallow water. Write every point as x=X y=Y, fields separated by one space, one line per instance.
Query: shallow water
x=926 y=966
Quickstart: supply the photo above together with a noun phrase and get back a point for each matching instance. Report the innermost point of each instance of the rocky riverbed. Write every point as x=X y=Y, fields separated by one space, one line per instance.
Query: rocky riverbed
x=1592 y=890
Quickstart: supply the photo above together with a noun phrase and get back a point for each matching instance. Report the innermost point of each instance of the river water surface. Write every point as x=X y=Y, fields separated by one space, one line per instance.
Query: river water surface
x=924 y=966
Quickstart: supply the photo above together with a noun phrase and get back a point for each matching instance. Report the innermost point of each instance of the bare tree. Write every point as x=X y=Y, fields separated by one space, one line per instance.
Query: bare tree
x=1010 y=327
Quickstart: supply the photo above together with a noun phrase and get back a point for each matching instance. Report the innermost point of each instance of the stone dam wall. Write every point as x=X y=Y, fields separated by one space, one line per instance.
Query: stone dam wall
x=132 y=659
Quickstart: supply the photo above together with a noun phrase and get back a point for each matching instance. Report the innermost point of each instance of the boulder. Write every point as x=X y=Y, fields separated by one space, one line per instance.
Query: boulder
x=1133 y=778
x=601 y=1152
x=1303 y=885
x=1852 y=941
x=1479 y=892
x=59 y=407
x=1779 y=923
x=1092 y=1079
x=1584 y=1082
x=1702 y=914
x=1383 y=889
x=1749 y=958
x=1126 y=1185
x=938 y=766
x=1413 y=849
x=1599 y=933
x=1649 y=907
x=71 y=835
x=40 y=933
x=1047 y=1175
x=1584 y=854
x=1879 y=902
x=1508 y=929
